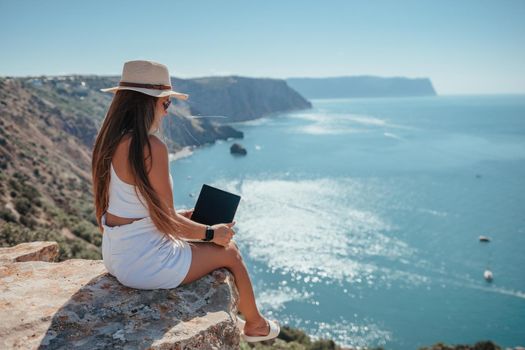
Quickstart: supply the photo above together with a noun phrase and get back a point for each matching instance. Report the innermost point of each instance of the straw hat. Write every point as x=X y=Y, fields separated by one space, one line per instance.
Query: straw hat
x=148 y=77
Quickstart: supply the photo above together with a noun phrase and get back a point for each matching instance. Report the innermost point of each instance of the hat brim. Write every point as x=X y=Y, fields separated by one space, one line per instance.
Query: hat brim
x=151 y=92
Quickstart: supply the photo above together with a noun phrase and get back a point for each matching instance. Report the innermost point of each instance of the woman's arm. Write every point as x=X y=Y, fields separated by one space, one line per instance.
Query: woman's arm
x=159 y=179
x=223 y=233
x=186 y=213
x=190 y=229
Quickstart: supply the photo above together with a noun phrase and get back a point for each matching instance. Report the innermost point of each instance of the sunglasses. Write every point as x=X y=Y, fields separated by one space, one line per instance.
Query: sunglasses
x=166 y=104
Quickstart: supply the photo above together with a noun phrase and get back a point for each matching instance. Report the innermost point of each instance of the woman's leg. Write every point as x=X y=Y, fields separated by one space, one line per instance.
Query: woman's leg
x=207 y=257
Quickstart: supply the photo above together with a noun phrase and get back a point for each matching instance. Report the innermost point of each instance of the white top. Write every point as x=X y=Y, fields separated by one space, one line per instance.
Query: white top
x=123 y=200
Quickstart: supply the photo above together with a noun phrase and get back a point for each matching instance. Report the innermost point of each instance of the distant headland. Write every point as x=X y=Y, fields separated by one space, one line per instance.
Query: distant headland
x=362 y=86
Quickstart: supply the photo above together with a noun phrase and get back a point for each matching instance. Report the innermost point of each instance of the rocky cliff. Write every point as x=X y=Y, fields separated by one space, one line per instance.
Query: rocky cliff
x=362 y=86
x=239 y=98
x=45 y=162
x=77 y=102
x=77 y=304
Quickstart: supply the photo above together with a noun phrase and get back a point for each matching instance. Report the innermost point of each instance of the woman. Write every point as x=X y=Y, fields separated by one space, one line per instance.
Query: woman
x=144 y=239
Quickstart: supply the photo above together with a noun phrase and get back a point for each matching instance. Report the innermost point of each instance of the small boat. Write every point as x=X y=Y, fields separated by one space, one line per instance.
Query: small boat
x=484 y=239
x=488 y=275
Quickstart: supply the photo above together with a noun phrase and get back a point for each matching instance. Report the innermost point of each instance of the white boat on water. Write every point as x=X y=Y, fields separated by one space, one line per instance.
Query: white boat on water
x=488 y=275
x=484 y=239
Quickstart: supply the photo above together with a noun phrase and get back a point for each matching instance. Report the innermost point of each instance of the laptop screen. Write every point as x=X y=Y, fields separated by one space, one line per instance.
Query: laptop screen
x=215 y=206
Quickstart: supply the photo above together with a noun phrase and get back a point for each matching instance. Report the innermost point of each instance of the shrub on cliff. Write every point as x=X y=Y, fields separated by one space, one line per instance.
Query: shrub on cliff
x=12 y=234
x=292 y=339
x=481 y=345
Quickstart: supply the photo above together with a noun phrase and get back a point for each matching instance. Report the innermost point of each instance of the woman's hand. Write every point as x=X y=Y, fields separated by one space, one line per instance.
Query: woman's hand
x=223 y=233
x=186 y=213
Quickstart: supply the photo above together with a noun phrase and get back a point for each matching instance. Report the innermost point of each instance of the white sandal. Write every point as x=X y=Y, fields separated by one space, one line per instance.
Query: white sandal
x=274 y=331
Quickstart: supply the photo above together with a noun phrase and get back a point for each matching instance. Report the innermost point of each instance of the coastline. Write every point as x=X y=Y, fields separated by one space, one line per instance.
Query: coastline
x=186 y=151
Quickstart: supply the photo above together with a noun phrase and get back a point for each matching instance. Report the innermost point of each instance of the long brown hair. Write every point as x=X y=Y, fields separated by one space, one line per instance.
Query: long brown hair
x=130 y=112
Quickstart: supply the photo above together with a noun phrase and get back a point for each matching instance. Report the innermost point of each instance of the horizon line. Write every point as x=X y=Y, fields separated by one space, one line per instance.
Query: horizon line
x=262 y=77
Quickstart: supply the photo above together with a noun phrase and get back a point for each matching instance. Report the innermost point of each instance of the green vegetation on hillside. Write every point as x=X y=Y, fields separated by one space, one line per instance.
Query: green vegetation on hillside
x=295 y=339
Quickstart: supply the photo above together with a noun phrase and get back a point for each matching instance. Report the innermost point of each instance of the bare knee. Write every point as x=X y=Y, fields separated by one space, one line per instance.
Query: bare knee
x=233 y=254
x=234 y=244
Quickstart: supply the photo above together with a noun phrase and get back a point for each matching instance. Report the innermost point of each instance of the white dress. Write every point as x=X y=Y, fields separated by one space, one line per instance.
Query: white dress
x=138 y=254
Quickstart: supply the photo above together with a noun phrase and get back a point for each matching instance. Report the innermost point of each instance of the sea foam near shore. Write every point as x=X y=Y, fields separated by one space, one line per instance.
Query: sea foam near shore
x=183 y=153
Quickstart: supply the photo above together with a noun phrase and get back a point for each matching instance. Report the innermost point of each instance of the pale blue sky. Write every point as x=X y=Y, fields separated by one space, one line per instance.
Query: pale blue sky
x=463 y=46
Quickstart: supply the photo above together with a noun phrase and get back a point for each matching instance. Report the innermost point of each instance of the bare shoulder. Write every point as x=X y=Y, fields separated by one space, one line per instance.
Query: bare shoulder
x=156 y=163
x=157 y=145
x=159 y=155
x=158 y=167
x=159 y=149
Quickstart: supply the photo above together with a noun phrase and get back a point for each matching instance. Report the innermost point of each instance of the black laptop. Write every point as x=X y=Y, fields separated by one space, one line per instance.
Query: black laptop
x=215 y=206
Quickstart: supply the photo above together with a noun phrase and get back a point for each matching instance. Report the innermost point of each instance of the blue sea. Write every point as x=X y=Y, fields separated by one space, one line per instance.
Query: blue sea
x=359 y=219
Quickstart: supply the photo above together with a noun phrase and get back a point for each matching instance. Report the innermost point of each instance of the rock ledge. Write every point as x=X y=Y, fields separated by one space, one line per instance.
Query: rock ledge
x=77 y=303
